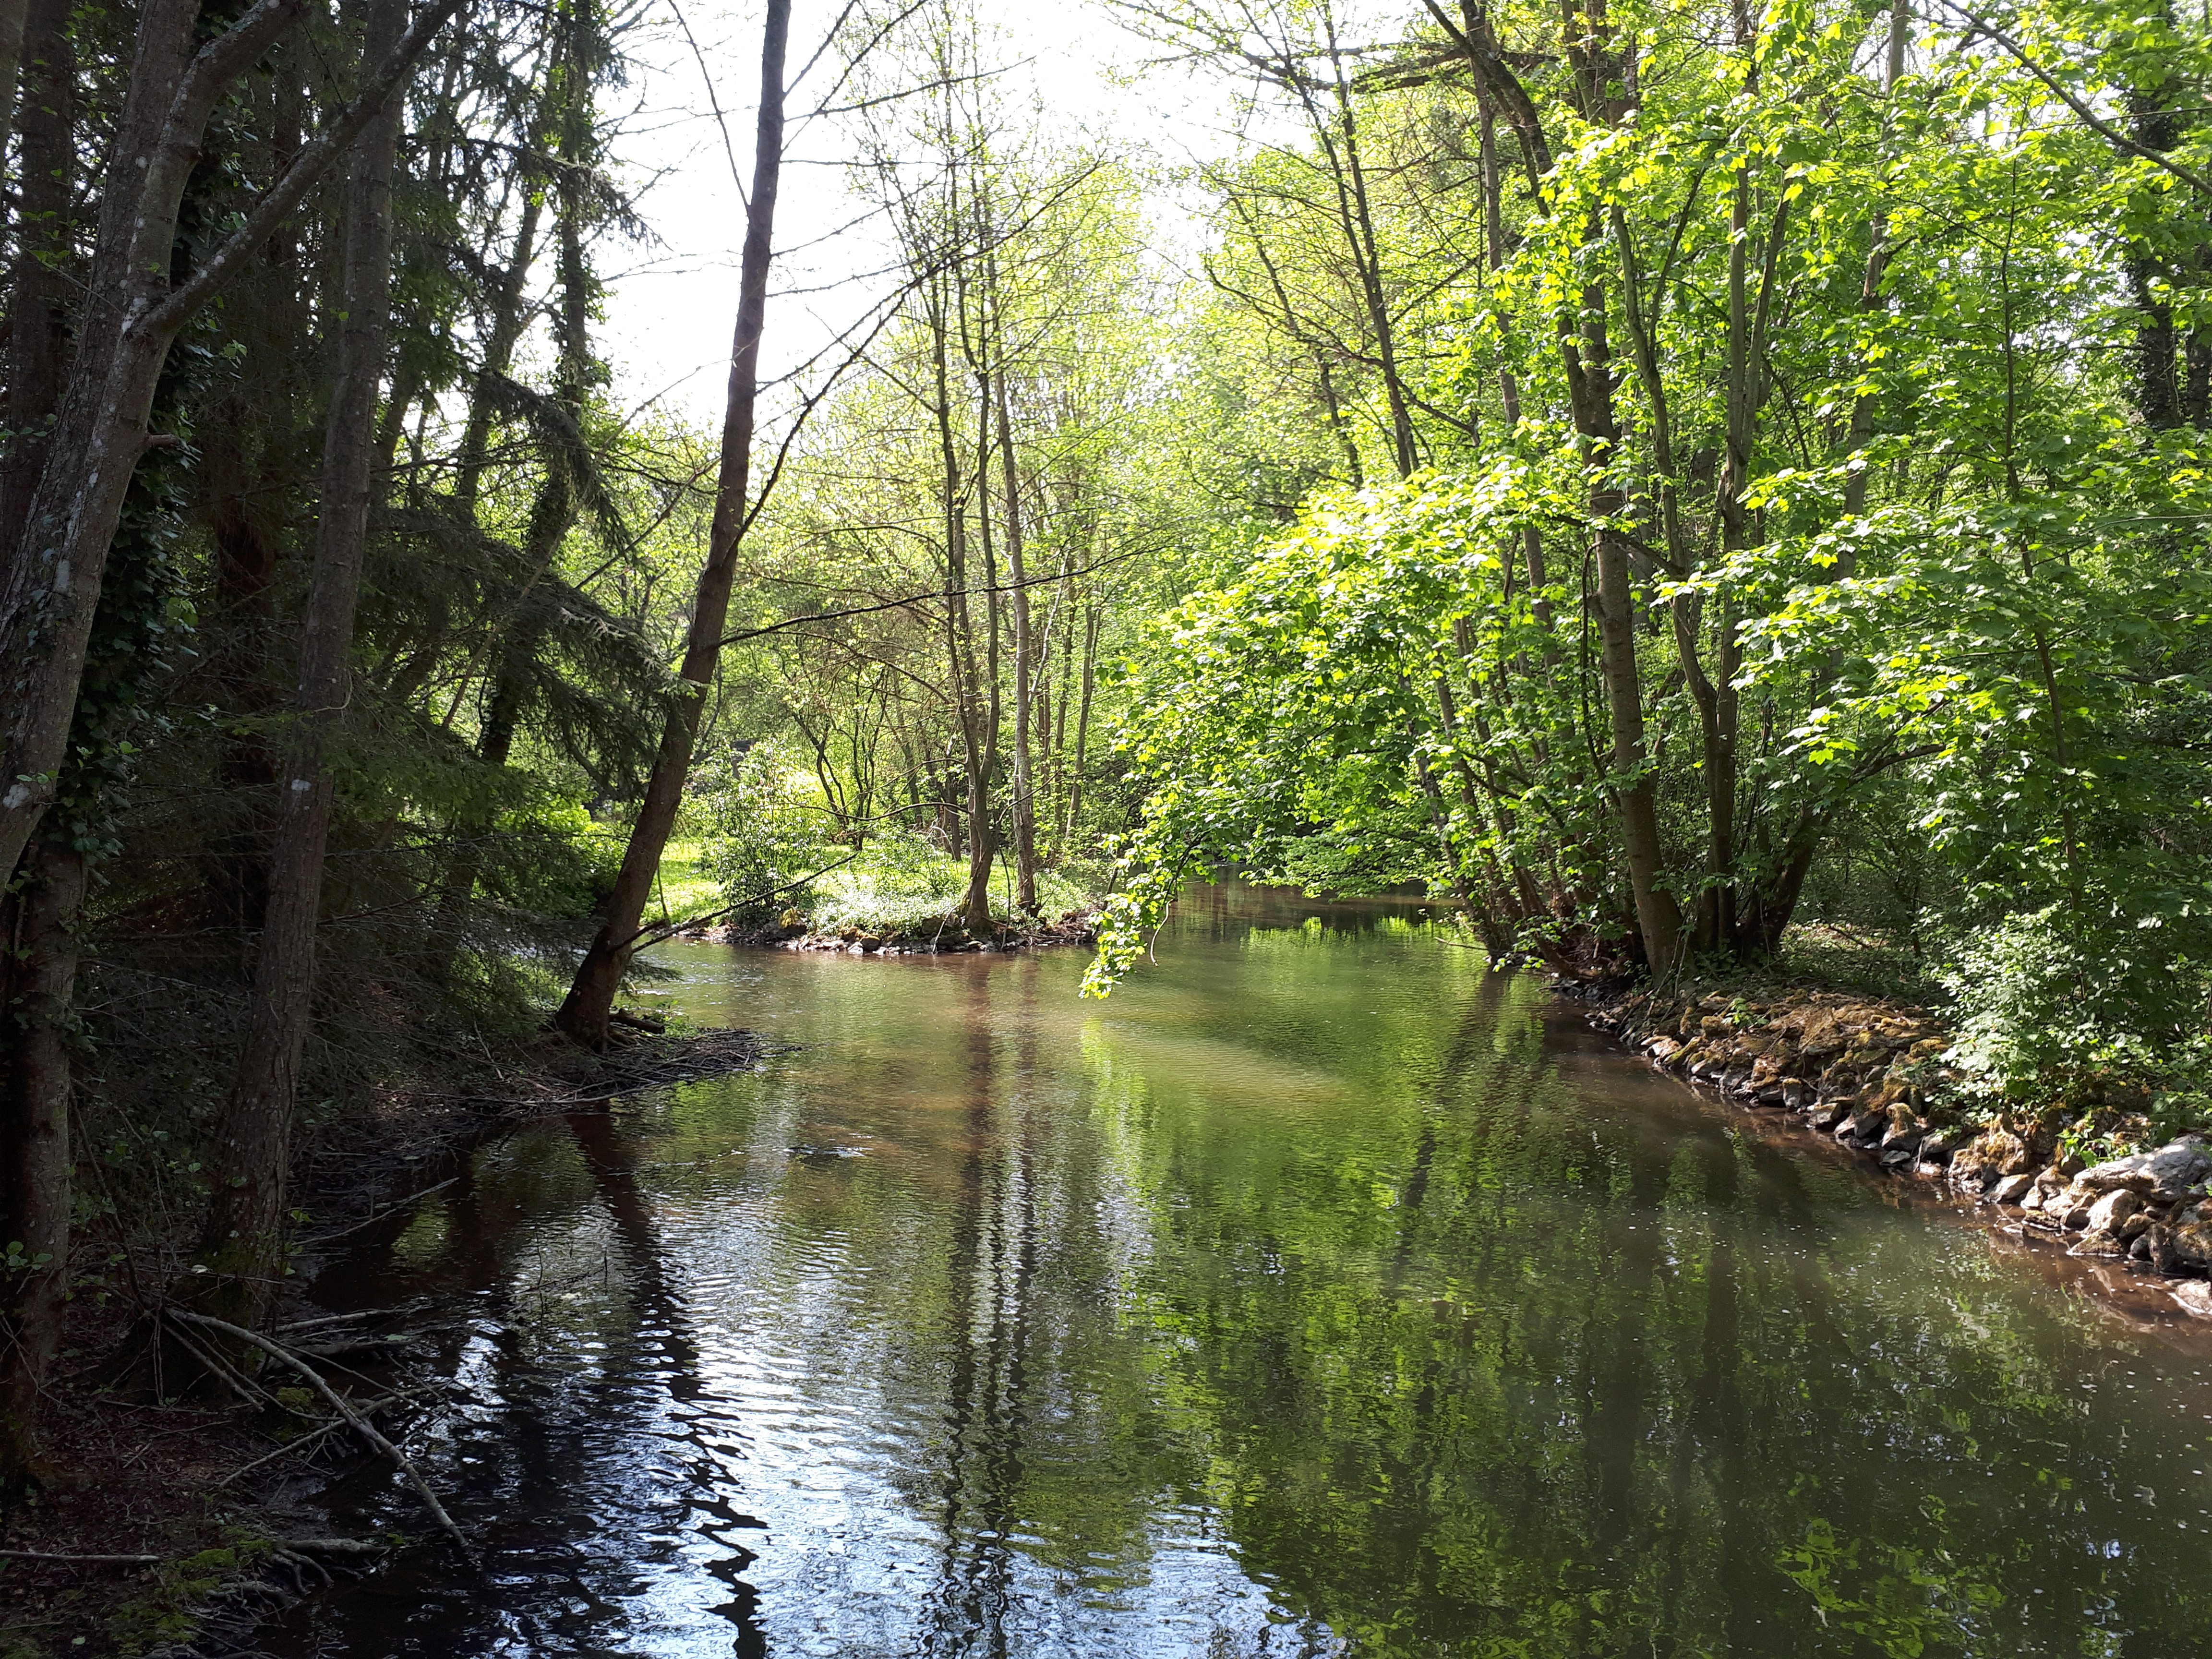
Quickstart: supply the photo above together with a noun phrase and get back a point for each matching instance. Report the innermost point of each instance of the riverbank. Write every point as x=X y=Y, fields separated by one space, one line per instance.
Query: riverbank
x=2090 y=1176
x=177 y=1522
x=936 y=936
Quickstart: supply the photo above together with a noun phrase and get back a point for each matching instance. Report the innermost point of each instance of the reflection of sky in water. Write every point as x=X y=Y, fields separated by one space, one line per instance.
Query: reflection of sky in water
x=1316 y=1294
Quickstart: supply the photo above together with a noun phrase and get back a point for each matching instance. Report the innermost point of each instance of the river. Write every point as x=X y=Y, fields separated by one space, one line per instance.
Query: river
x=1319 y=1293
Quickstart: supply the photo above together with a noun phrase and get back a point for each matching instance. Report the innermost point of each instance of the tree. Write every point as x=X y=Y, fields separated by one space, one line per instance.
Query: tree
x=584 y=1013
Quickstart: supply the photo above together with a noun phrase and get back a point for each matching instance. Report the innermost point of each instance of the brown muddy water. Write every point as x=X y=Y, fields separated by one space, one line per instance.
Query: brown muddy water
x=1319 y=1294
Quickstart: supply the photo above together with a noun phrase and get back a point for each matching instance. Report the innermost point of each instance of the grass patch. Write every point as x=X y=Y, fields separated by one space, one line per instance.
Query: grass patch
x=682 y=886
x=905 y=892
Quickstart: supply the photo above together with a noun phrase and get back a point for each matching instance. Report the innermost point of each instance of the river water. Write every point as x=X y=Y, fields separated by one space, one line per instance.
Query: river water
x=1320 y=1293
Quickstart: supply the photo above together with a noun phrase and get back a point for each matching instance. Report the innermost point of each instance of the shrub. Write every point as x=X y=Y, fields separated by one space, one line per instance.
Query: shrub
x=2041 y=1009
x=761 y=844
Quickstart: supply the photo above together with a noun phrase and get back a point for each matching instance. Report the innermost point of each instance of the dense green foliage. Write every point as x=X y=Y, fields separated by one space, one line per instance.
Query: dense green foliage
x=1663 y=478
x=1780 y=435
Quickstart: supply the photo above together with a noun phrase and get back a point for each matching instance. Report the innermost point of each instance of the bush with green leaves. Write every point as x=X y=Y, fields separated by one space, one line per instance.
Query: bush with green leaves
x=552 y=859
x=2043 y=1005
x=763 y=845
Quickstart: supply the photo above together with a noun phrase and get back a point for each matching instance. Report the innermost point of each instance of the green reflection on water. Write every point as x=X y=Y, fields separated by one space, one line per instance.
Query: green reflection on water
x=1373 y=1282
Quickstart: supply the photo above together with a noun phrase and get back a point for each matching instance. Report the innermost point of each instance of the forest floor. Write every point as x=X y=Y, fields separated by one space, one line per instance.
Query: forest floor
x=175 y=1524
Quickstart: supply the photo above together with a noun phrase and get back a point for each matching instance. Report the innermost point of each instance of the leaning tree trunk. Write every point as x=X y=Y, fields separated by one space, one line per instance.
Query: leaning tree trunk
x=38 y=970
x=584 y=1013
x=242 y=1248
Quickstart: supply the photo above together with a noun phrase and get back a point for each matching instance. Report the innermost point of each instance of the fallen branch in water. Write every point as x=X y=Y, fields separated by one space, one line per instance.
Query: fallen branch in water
x=93 y=1560
x=345 y=1408
x=321 y=1431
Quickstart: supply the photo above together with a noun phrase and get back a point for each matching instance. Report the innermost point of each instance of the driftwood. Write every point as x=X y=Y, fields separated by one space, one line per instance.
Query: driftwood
x=315 y=1436
x=345 y=1408
x=333 y=1545
x=89 y=1560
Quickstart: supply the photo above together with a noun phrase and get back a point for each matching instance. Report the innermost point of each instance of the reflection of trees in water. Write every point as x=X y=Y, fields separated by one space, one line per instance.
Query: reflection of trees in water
x=658 y=1319
x=545 y=1468
x=1514 y=1368
x=992 y=1273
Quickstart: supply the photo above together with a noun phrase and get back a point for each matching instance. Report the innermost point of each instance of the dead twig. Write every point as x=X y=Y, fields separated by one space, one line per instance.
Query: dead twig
x=345 y=1408
x=321 y=1431
x=386 y=1213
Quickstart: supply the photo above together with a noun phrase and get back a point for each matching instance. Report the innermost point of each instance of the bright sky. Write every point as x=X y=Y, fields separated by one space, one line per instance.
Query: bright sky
x=672 y=307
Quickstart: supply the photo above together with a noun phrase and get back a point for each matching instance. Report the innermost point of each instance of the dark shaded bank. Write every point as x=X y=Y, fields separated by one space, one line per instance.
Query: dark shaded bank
x=181 y=1515
x=1871 y=1077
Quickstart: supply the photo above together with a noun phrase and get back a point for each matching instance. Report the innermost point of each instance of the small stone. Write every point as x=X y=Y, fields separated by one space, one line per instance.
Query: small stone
x=2139 y=1249
x=2076 y=1219
x=2134 y=1227
x=2191 y=1244
x=2010 y=1189
x=1794 y=1096
x=2131 y=1174
x=2107 y=1214
x=2194 y=1298
x=2177 y=1167
x=2158 y=1239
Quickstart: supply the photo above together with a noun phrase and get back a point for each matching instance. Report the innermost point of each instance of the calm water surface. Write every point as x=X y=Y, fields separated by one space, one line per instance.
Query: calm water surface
x=1319 y=1294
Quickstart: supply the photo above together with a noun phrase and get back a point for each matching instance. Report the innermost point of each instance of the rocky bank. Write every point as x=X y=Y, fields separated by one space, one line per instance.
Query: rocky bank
x=1871 y=1077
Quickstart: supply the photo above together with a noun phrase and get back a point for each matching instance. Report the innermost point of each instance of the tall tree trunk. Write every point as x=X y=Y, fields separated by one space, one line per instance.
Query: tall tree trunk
x=584 y=1014
x=1023 y=808
x=13 y=16
x=40 y=287
x=38 y=971
x=1587 y=357
x=553 y=512
x=131 y=313
x=1083 y=721
x=1872 y=300
x=976 y=745
x=38 y=949
x=1359 y=226
x=2154 y=122
x=983 y=841
x=242 y=1248
x=253 y=459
